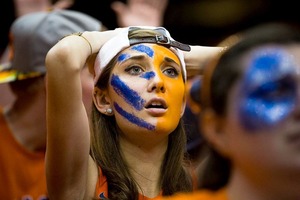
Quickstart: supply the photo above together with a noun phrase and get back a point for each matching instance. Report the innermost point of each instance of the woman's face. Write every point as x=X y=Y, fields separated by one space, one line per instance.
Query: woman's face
x=263 y=120
x=147 y=89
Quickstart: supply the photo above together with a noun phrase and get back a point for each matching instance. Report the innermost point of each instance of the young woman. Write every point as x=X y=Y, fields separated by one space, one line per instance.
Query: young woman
x=134 y=146
x=250 y=119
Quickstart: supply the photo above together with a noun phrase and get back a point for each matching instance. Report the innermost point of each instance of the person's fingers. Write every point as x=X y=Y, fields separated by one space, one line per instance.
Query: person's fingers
x=118 y=7
x=63 y=4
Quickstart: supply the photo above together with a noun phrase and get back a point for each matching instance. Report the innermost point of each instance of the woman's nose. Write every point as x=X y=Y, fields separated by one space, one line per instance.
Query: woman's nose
x=156 y=84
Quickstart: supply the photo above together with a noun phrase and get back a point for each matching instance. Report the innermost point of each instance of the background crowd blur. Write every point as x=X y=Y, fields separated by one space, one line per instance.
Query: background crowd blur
x=204 y=22
x=196 y=22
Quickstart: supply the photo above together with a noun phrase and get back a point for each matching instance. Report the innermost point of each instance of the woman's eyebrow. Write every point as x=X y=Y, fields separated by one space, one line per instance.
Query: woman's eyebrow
x=125 y=57
x=170 y=60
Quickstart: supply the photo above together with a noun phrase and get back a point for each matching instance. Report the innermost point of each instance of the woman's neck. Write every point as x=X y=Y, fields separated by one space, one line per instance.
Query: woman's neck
x=144 y=165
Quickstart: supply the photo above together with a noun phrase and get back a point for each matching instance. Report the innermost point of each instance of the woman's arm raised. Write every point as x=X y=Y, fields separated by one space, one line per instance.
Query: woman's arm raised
x=68 y=137
x=198 y=57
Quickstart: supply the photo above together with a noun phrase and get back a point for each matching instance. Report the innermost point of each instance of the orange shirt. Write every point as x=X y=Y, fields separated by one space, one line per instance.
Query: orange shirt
x=22 y=173
x=200 y=195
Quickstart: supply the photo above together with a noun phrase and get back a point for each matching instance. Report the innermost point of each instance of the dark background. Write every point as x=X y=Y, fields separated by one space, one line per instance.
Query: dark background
x=201 y=22
x=206 y=22
x=196 y=22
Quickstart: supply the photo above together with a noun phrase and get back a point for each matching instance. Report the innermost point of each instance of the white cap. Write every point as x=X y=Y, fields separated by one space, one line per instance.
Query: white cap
x=121 y=41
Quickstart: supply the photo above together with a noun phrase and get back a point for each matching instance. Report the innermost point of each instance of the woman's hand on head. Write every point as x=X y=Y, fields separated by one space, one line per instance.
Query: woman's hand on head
x=98 y=38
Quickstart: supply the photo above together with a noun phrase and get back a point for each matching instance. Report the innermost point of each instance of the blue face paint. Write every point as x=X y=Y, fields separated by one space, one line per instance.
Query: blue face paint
x=140 y=48
x=133 y=119
x=144 y=49
x=123 y=57
x=129 y=95
x=148 y=75
x=269 y=91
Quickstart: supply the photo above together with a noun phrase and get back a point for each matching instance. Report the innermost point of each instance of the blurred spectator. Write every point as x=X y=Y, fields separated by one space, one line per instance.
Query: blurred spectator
x=250 y=118
x=23 y=122
x=14 y=9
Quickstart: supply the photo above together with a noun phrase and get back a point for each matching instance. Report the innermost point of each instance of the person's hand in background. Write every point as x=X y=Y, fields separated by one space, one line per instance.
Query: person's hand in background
x=140 y=12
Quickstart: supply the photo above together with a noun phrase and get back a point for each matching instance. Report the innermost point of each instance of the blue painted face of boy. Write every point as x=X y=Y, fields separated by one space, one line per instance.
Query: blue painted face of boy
x=269 y=88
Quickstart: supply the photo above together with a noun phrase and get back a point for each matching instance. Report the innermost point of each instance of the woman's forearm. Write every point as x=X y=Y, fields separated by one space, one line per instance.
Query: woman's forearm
x=196 y=59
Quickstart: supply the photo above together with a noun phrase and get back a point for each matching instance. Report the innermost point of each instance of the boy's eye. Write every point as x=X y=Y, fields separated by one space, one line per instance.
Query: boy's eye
x=134 y=70
x=276 y=90
x=171 y=72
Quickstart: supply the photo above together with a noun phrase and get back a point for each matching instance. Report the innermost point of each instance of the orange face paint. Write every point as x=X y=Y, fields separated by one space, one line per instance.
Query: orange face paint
x=175 y=89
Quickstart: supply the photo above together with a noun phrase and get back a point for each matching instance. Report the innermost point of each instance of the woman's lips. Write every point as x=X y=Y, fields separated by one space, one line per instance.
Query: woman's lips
x=156 y=106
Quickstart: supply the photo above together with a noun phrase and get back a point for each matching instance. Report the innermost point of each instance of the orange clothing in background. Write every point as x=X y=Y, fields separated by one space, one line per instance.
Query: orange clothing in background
x=22 y=173
x=200 y=195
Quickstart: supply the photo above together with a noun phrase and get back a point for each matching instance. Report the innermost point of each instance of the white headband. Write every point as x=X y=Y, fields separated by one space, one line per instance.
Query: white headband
x=121 y=41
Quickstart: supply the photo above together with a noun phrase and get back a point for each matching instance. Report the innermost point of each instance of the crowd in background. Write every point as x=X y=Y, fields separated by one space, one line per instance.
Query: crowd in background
x=197 y=23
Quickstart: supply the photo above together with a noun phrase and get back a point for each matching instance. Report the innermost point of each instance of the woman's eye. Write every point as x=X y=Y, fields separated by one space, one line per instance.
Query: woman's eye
x=171 y=72
x=134 y=70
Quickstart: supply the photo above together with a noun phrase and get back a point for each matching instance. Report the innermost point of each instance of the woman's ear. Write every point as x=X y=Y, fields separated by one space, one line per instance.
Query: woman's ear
x=102 y=101
x=213 y=131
